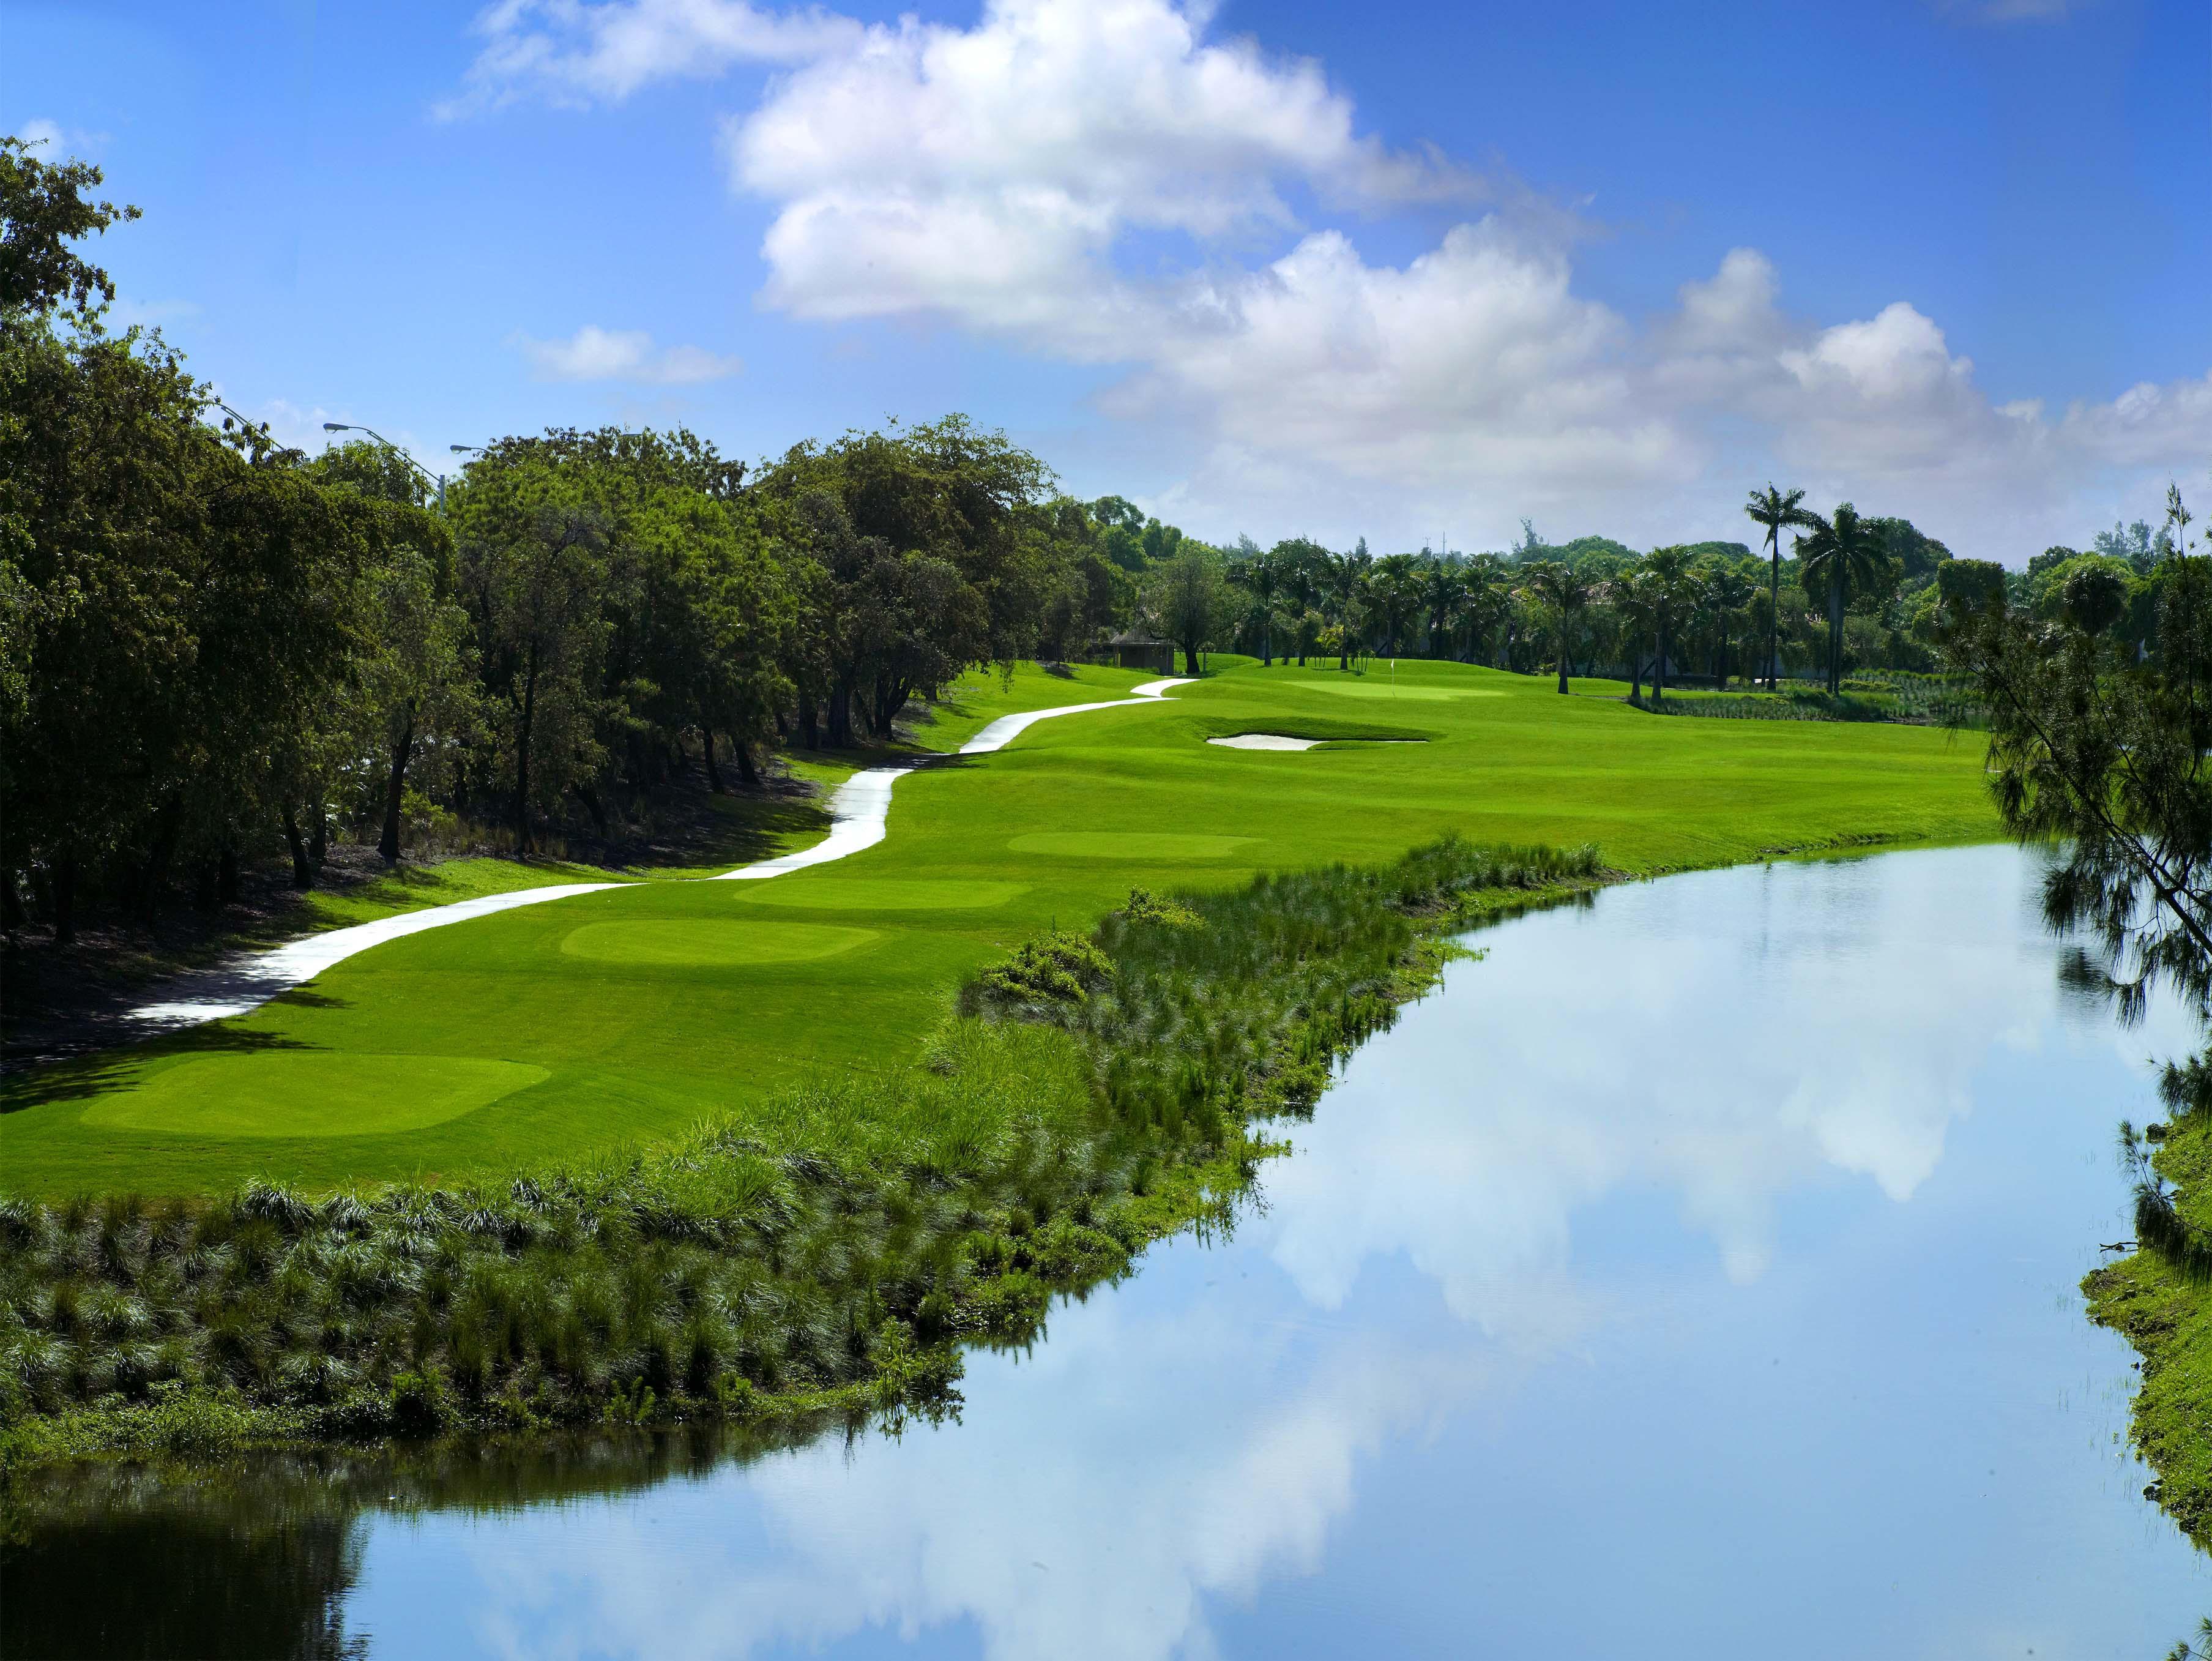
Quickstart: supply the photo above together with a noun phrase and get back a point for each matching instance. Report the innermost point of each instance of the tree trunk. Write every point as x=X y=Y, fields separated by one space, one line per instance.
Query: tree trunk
x=1835 y=630
x=748 y=775
x=156 y=872
x=840 y=717
x=1774 y=614
x=318 y=845
x=1635 y=675
x=64 y=896
x=303 y=875
x=396 y=788
x=706 y=744
x=204 y=887
x=522 y=756
x=1720 y=681
x=226 y=874
x=810 y=724
x=1563 y=660
x=1659 y=665
x=1190 y=659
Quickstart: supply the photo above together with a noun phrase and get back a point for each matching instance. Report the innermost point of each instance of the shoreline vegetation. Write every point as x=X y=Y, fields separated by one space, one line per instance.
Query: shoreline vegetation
x=2158 y=1297
x=1101 y=1092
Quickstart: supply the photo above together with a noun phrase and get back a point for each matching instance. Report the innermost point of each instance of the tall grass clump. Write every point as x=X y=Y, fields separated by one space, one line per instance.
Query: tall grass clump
x=829 y=1251
x=1219 y=1005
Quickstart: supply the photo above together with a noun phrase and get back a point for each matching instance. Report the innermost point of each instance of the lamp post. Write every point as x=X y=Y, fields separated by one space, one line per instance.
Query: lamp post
x=437 y=480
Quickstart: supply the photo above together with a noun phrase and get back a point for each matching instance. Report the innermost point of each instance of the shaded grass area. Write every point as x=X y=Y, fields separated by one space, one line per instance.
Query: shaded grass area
x=982 y=852
x=827 y=1252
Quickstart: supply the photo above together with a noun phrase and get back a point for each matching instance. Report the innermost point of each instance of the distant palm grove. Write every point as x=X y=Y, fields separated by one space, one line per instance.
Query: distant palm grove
x=219 y=650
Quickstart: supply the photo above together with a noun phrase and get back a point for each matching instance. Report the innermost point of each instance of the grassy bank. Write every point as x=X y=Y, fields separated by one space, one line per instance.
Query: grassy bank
x=555 y=1033
x=827 y=1252
x=2158 y=1297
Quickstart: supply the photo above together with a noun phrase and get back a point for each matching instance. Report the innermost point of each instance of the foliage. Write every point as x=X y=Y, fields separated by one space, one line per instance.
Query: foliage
x=731 y=1271
x=1059 y=967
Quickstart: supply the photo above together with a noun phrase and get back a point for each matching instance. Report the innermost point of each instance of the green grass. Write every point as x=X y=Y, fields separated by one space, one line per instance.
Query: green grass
x=833 y=1248
x=638 y=1044
x=416 y=887
x=2165 y=1312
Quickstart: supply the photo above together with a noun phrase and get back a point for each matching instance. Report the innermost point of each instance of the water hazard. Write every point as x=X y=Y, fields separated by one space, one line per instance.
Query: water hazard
x=1693 y=1276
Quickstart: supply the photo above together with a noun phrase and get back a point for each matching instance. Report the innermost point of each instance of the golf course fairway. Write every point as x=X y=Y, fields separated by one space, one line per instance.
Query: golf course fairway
x=548 y=1034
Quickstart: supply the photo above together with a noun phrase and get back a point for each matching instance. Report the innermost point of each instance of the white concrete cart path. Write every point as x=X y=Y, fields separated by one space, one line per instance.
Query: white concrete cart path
x=859 y=812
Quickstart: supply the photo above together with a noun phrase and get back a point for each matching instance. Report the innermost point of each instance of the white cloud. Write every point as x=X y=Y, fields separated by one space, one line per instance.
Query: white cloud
x=40 y=131
x=596 y=354
x=573 y=53
x=1098 y=181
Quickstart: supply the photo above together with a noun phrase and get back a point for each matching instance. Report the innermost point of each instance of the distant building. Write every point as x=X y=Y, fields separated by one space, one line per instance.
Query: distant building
x=1133 y=649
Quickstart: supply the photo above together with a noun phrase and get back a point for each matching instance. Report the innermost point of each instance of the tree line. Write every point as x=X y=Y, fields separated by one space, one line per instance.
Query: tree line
x=1850 y=591
x=217 y=648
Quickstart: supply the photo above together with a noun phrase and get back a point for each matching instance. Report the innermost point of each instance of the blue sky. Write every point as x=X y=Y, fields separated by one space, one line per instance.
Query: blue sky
x=1401 y=271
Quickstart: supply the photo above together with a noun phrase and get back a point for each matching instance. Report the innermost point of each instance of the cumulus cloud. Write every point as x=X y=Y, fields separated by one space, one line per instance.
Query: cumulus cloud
x=596 y=354
x=1101 y=182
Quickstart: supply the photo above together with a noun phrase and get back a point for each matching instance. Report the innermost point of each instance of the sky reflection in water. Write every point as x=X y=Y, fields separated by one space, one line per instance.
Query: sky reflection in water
x=1693 y=1276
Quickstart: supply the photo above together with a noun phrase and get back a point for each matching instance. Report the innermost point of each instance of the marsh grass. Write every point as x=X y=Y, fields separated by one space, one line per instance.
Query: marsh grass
x=829 y=1254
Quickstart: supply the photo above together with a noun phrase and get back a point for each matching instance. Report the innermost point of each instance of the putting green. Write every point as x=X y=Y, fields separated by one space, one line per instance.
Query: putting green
x=310 y=1093
x=883 y=894
x=1383 y=688
x=1136 y=846
x=698 y=944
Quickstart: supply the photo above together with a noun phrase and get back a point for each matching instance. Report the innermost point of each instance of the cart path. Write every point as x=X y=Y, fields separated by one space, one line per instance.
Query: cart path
x=859 y=814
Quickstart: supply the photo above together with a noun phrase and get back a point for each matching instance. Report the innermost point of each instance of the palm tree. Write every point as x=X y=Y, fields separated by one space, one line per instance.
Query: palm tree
x=1301 y=586
x=1481 y=581
x=1730 y=589
x=1636 y=596
x=1262 y=578
x=1560 y=586
x=1843 y=551
x=1440 y=591
x=1778 y=510
x=1668 y=569
x=1395 y=584
x=1345 y=581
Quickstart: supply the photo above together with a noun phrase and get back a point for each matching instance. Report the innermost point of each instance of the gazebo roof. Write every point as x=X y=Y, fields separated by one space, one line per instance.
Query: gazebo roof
x=1131 y=637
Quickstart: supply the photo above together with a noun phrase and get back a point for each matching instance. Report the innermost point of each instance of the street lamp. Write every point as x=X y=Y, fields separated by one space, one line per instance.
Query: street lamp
x=438 y=479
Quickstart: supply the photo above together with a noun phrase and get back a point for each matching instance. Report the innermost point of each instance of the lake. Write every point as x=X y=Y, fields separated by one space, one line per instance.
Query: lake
x=1692 y=1275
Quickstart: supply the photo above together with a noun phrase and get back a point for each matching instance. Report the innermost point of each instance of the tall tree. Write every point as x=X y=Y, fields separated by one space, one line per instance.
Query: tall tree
x=1187 y=595
x=1730 y=590
x=1441 y=583
x=1302 y=564
x=1671 y=587
x=1262 y=578
x=1844 y=551
x=1394 y=585
x=1564 y=591
x=1777 y=511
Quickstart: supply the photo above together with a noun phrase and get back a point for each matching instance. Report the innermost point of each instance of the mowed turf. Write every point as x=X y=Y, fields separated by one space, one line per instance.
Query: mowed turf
x=546 y=1034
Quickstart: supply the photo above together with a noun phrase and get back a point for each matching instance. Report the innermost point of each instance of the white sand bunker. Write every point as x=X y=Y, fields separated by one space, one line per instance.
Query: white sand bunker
x=1279 y=741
